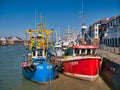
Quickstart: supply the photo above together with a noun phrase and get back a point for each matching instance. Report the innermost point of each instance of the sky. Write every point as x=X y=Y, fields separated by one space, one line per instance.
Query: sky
x=16 y=16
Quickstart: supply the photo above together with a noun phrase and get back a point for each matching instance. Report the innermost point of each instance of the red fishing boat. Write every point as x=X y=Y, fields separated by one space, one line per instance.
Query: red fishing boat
x=81 y=60
x=83 y=63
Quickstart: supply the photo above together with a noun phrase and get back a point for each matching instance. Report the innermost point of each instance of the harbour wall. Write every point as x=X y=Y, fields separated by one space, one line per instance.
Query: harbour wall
x=110 y=49
x=110 y=69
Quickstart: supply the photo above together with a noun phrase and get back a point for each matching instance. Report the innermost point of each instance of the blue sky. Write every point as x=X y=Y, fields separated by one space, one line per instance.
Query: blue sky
x=18 y=15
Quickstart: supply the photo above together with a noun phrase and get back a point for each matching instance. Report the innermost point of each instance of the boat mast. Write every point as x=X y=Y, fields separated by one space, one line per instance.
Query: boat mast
x=35 y=18
x=82 y=13
x=83 y=26
x=56 y=36
x=41 y=37
x=59 y=33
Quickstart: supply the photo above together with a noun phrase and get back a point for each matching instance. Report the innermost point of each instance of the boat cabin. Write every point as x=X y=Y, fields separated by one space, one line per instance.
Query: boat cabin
x=38 y=53
x=58 y=50
x=81 y=50
x=84 y=50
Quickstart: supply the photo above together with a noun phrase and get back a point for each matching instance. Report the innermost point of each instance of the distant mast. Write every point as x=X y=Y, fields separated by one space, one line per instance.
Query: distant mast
x=59 y=33
x=35 y=18
x=56 y=35
x=83 y=26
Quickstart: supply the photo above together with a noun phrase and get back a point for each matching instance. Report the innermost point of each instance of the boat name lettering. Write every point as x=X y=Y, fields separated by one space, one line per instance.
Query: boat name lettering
x=39 y=67
x=74 y=63
x=49 y=67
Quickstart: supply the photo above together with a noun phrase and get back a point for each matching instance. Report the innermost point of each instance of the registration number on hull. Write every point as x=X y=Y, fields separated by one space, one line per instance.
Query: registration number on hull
x=41 y=67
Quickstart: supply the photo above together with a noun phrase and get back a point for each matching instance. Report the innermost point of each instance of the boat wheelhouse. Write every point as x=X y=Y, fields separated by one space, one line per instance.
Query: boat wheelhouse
x=81 y=62
x=37 y=64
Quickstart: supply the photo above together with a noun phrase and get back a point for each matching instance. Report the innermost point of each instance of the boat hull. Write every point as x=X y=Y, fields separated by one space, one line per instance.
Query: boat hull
x=86 y=68
x=42 y=73
x=83 y=77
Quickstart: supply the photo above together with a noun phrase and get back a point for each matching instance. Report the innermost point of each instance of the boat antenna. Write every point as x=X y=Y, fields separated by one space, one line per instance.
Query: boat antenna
x=83 y=26
x=82 y=13
x=59 y=33
x=35 y=18
x=45 y=22
x=82 y=6
x=26 y=36
x=41 y=17
x=56 y=35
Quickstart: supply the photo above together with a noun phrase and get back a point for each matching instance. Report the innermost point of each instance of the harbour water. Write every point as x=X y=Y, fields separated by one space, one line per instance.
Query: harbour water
x=11 y=77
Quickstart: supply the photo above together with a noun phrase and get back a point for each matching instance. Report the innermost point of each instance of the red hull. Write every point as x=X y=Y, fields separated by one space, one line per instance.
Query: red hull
x=83 y=68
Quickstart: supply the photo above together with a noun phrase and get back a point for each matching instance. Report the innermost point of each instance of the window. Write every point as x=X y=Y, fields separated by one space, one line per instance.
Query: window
x=115 y=41
x=96 y=35
x=112 y=41
x=39 y=53
x=119 y=21
x=108 y=42
x=96 y=30
x=119 y=41
x=33 y=53
x=83 y=51
x=76 y=51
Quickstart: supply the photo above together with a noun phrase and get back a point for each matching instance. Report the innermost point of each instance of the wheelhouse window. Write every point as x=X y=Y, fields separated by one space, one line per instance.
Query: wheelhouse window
x=69 y=52
x=33 y=53
x=83 y=51
x=76 y=51
x=39 y=53
x=94 y=51
x=119 y=41
x=88 y=51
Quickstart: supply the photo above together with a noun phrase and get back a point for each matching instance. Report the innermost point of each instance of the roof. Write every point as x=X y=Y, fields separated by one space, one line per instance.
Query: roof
x=57 y=46
x=102 y=21
x=3 y=38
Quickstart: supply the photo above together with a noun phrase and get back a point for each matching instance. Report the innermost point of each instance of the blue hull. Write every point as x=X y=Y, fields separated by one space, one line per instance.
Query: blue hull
x=41 y=73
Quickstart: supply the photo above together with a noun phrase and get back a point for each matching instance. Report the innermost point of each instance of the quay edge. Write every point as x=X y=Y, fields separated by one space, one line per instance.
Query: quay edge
x=110 y=69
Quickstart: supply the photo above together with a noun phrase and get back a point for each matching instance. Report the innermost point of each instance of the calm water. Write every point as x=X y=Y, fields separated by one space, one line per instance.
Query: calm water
x=11 y=77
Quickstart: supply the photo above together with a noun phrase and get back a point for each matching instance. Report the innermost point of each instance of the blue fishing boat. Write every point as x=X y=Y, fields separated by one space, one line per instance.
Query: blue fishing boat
x=37 y=64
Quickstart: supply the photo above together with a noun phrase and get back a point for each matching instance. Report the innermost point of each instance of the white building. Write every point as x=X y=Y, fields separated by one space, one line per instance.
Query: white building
x=112 y=34
x=94 y=31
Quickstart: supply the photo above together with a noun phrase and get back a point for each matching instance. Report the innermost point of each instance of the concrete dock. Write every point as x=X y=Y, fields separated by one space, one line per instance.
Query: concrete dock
x=110 y=69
